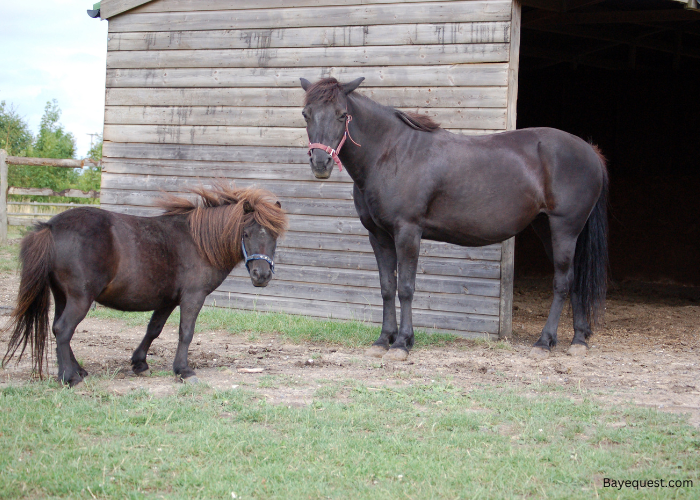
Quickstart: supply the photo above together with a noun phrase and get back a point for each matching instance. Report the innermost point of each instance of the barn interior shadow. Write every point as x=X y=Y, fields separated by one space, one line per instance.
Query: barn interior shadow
x=640 y=104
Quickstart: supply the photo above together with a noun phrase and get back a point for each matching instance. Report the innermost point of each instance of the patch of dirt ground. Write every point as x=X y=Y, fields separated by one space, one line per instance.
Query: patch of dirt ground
x=647 y=353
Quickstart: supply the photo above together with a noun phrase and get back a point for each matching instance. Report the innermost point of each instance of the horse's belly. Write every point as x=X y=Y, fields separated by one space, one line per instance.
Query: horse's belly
x=136 y=296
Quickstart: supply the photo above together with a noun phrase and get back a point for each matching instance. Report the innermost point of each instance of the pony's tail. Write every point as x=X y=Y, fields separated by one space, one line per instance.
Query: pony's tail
x=29 y=321
x=591 y=257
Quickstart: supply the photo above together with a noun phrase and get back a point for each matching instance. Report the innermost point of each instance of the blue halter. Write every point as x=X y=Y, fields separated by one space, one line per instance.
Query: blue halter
x=256 y=256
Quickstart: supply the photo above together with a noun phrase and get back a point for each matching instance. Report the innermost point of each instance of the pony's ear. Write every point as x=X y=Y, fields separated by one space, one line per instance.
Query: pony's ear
x=349 y=87
x=305 y=84
x=247 y=207
x=279 y=205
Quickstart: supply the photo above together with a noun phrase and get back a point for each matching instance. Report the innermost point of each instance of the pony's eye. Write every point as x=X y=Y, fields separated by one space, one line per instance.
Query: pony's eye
x=343 y=116
x=305 y=115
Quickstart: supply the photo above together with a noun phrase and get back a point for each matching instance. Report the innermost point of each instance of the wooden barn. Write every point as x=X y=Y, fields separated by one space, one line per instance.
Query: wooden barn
x=203 y=89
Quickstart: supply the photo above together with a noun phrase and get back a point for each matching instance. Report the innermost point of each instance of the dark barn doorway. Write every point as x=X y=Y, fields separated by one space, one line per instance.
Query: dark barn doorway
x=625 y=75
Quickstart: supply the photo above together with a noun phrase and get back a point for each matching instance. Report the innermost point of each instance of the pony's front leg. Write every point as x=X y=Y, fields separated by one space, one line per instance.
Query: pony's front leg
x=155 y=326
x=385 y=253
x=189 y=310
x=407 y=250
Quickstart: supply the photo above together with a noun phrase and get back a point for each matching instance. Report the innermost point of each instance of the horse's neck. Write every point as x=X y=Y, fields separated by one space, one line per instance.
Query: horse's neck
x=371 y=126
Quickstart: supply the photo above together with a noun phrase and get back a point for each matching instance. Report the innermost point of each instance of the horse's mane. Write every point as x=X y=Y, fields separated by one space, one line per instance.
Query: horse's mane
x=217 y=219
x=324 y=90
x=328 y=90
x=417 y=121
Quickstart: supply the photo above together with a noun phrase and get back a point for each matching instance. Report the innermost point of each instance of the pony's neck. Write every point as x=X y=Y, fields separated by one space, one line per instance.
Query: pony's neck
x=370 y=126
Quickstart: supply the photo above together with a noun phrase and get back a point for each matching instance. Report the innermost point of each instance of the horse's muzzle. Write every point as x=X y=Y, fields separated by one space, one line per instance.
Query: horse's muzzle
x=321 y=164
x=260 y=273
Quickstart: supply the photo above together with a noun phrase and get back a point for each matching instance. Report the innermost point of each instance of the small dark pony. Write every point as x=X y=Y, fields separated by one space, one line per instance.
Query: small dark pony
x=134 y=263
x=414 y=180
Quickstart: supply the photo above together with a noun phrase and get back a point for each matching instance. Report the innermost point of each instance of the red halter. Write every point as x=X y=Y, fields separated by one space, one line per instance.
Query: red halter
x=334 y=152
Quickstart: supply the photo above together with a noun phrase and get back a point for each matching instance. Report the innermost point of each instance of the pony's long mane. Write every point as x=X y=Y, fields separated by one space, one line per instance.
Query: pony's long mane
x=217 y=219
x=329 y=89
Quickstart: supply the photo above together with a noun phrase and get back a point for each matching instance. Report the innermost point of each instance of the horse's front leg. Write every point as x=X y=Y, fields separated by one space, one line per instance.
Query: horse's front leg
x=385 y=253
x=189 y=310
x=155 y=326
x=407 y=249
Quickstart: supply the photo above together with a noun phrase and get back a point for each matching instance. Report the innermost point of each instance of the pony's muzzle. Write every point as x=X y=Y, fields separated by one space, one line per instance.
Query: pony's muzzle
x=260 y=273
x=321 y=164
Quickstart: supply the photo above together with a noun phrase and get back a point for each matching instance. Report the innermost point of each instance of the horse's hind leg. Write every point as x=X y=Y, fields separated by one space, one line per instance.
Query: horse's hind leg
x=563 y=241
x=155 y=326
x=74 y=311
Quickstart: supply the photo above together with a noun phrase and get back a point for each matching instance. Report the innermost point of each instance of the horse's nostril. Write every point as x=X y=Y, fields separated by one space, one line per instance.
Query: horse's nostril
x=255 y=273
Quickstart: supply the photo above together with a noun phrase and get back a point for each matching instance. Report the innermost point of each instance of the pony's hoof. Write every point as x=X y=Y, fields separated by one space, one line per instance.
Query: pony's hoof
x=578 y=350
x=191 y=380
x=376 y=351
x=397 y=354
x=145 y=373
x=539 y=353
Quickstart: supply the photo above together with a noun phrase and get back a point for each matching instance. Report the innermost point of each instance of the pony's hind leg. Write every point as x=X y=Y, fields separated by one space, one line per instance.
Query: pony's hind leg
x=69 y=371
x=59 y=299
x=563 y=241
x=582 y=329
x=155 y=326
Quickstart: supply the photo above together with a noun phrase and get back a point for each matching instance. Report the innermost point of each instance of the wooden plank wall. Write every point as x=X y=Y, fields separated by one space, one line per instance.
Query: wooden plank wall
x=199 y=90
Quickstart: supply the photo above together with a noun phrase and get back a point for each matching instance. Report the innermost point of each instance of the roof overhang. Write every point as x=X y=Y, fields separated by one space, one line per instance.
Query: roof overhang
x=111 y=8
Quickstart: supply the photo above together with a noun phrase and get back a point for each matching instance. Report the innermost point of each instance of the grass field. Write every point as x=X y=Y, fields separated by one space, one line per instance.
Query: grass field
x=423 y=441
x=418 y=439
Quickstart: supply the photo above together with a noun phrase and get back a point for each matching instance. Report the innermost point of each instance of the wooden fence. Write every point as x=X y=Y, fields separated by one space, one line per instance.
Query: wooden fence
x=8 y=218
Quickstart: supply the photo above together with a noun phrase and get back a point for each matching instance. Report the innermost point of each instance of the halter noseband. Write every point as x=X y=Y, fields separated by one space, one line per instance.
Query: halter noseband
x=256 y=256
x=334 y=152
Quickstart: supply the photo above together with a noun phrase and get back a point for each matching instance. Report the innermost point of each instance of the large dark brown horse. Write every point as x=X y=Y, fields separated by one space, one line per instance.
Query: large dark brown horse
x=415 y=180
x=139 y=264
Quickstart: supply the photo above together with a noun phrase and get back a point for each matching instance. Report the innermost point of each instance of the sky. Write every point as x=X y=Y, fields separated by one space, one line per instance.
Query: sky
x=51 y=49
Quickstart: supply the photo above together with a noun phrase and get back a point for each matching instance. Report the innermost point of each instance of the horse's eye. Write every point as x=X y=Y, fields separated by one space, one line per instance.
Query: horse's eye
x=343 y=116
x=305 y=115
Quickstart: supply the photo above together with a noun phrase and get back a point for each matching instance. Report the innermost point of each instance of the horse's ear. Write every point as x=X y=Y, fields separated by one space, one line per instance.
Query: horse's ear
x=279 y=205
x=305 y=84
x=247 y=207
x=349 y=87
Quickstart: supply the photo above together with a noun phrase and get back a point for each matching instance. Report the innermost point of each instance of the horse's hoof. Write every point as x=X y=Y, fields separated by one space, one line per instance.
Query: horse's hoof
x=191 y=380
x=397 y=354
x=578 y=350
x=376 y=351
x=145 y=373
x=539 y=353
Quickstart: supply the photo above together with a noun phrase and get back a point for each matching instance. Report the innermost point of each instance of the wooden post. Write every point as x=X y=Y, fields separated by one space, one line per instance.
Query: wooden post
x=3 y=196
x=505 y=320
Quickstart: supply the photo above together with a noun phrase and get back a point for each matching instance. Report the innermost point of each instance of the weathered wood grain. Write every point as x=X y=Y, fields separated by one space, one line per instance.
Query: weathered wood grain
x=214 y=135
x=370 y=280
x=466 y=325
x=268 y=154
x=450 y=118
x=203 y=5
x=400 y=97
x=424 y=12
x=394 y=55
x=468 y=304
x=142 y=184
x=457 y=75
x=109 y=8
x=334 y=36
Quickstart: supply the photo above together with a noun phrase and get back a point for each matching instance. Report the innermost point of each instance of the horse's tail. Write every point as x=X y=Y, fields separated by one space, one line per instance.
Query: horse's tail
x=29 y=321
x=591 y=257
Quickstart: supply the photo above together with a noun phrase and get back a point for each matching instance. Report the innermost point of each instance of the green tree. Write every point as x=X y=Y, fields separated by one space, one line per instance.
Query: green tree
x=15 y=137
x=90 y=177
x=52 y=142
